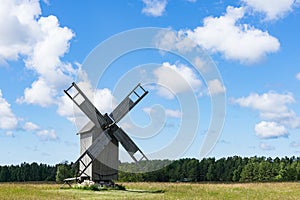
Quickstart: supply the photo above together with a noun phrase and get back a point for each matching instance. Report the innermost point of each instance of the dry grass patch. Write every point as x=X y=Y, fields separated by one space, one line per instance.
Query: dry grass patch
x=154 y=191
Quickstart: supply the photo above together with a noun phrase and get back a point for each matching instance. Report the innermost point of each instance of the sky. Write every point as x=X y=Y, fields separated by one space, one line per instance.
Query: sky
x=223 y=76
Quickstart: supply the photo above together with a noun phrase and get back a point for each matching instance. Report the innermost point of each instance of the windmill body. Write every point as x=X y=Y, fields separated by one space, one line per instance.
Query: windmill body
x=105 y=166
x=100 y=137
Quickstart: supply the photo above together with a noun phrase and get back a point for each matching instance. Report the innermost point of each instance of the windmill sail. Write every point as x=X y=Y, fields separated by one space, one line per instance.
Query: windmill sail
x=99 y=144
x=86 y=106
x=128 y=144
x=128 y=103
x=99 y=138
x=119 y=112
x=122 y=109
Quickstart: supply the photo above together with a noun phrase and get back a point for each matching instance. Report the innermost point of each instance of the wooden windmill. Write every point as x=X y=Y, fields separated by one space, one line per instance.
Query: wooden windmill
x=100 y=137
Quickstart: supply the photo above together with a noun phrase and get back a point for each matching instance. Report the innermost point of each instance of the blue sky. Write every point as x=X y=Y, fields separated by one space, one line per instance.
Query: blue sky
x=252 y=46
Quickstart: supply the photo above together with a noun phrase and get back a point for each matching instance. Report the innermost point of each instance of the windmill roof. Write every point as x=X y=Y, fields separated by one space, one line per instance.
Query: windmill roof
x=86 y=128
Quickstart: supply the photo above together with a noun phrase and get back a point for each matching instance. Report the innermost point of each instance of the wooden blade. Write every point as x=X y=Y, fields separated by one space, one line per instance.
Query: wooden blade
x=87 y=107
x=128 y=144
x=128 y=103
x=99 y=144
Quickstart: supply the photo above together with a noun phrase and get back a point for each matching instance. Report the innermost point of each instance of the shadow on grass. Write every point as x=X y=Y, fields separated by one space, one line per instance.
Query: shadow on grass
x=146 y=191
x=117 y=187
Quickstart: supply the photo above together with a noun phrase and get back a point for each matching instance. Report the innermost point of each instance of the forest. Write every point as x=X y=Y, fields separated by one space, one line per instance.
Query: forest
x=230 y=169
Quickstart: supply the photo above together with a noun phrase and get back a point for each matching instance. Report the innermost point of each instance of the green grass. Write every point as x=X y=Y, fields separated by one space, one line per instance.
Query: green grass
x=157 y=191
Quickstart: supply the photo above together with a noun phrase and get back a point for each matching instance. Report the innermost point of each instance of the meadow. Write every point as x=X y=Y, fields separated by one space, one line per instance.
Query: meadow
x=146 y=190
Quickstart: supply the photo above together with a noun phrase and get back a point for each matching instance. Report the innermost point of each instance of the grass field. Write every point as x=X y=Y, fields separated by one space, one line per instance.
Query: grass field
x=150 y=191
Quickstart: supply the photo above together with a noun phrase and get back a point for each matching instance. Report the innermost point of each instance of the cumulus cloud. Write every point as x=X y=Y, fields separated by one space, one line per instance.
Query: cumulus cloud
x=235 y=41
x=225 y=35
x=154 y=8
x=272 y=9
x=41 y=42
x=201 y=65
x=174 y=40
x=168 y=112
x=9 y=133
x=147 y=110
x=298 y=76
x=8 y=120
x=173 y=113
x=175 y=79
x=29 y=126
x=274 y=108
x=267 y=102
x=45 y=57
x=46 y=135
x=267 y=130
x=266 y=147
x=103 y=99
x=19 y=33
x=215 y=87
x=42 y=134
x=39 y=93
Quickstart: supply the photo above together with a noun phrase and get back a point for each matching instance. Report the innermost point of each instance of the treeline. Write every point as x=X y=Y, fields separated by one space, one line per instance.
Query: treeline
x=231 y=169
x=36 y=172
x=27 y=172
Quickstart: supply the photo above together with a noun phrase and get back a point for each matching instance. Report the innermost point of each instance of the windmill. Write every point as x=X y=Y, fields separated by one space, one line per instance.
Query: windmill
x=100 y=137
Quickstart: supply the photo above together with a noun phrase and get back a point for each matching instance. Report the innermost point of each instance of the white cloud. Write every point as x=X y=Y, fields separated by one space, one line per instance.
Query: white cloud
x=66 y=109
x=293 y=121
x=201 y=65
x=39 y=93
x=234 y=40
x=267 y=130
x=154 y=8
x=43 y=134
x=41 y=42
x=29 y=126
x=172 y=40
x=298 y=76
x=19 y=32
x=215 y=87
x=147 y=110
x=8 y=120
x=9 y=133
x=103 y=99
x=173 y=113
x=175 y=79
x=168 y=112
x=270 y=102
x=272 y=107
x=54 y=75
x=273 y=9
x=266 y=147
x=47 y=135
x=45 y=56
